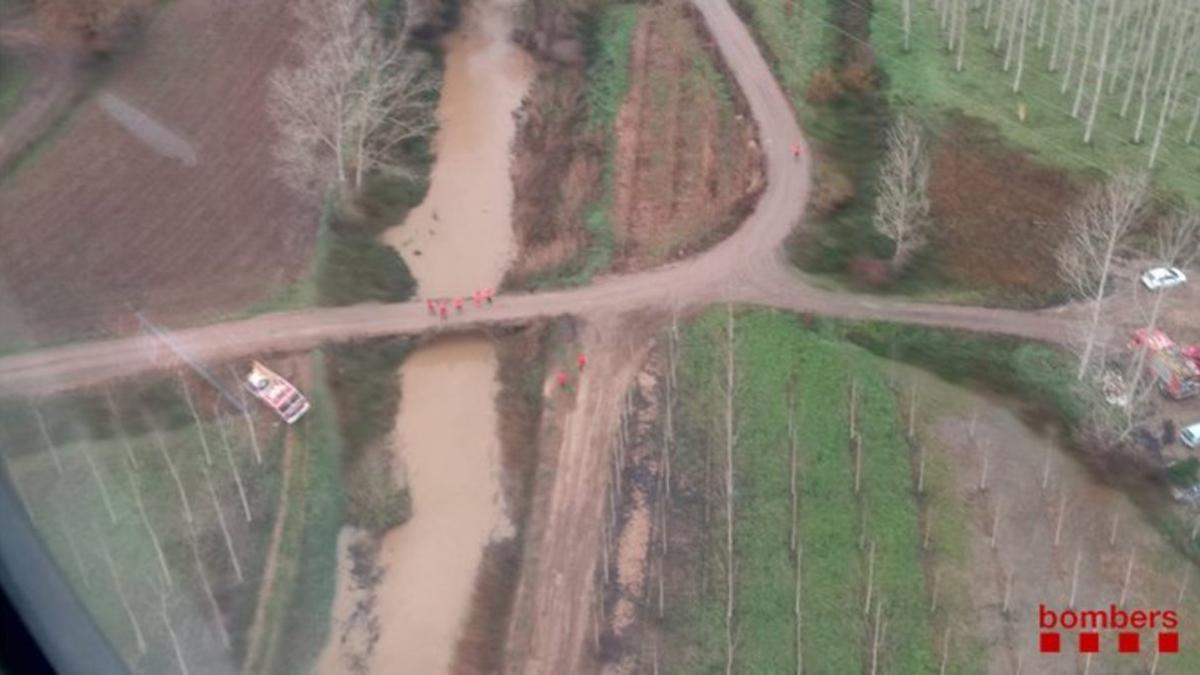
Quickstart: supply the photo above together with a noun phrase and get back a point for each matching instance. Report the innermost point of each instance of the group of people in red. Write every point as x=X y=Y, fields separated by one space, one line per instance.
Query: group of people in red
x=563 y=379
x=441 y=306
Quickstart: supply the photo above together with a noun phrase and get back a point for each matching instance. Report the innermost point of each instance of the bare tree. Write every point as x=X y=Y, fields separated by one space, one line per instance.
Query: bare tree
x=1058 y=26
x=1066 y=81
x=1098 y=228
x=237 y=475
x=1147 y=76
x=907 y=24
x=120 y=590
x=1177 y=243
x=212 y=492
x=1087 y=57
x=49 y=442
x=1181 y=46
x=1016 y=86
x=902 y=205
x=730 y=442
x=1143 y=52
x=141 y=508
x=174 y=471
x=1100 y=70
x=346 y=112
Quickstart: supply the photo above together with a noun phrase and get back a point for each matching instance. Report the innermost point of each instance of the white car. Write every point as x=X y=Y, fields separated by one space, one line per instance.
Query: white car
x=1190 y=436
x=1163 y=277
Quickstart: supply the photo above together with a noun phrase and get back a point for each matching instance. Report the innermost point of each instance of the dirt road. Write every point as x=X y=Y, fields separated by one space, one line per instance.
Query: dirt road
x=748 y=267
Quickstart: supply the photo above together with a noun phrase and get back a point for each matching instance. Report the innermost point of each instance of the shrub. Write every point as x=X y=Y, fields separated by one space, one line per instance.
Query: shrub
x=824 y=87
x=1183 y=473
x=870 y=271
x=858 y=75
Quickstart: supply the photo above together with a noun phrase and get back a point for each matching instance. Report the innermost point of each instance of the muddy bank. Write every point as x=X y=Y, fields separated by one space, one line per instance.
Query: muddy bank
x=522 y=355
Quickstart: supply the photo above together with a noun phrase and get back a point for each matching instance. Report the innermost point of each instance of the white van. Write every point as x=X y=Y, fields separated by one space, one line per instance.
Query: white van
x=1190 y=436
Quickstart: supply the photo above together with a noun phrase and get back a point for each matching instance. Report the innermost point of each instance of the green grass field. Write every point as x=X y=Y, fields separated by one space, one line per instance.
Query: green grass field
x=13 y=78
x=773 y=349
x=925 y=79
x=71 y=510
x=798 y=39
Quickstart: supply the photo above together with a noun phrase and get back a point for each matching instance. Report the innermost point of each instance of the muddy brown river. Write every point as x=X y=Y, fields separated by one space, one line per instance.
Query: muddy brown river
x=445 y=448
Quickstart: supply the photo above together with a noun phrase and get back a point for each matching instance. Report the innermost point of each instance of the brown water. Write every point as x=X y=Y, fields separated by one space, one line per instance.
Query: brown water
x=446 y=447
x=460 y=239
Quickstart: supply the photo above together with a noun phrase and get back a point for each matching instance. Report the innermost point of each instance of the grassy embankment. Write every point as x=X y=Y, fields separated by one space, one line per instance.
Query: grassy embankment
x=297 y=614
x=771 y=351
x=608 y=35
x=522 y=355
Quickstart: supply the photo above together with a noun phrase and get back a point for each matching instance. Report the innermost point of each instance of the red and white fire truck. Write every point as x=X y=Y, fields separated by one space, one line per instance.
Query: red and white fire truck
x=282 y=396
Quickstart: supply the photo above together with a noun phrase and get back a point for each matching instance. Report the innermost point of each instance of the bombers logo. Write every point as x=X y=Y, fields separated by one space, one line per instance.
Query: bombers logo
x=1128 y=626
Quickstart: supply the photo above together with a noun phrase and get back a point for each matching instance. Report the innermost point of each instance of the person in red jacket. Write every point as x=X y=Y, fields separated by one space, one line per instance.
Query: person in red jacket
x=582 y=361
x=562 y=379
x=487 y=295
x=430 y=306
x=444 y=310
x=458 y=305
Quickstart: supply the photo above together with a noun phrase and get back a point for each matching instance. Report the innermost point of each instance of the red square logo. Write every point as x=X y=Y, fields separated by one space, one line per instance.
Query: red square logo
x=1129 y=643
x=1089 y=643
x=1168 y=643
x=1050 y=643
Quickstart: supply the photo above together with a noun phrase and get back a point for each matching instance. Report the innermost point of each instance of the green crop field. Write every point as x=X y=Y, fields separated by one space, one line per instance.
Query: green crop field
x=773 y=350
x=82 y=480
x=926 y=78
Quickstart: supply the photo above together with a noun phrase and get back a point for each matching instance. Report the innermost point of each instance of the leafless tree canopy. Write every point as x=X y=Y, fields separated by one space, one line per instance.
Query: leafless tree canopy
x=1098 y=228
x=902 y=205
x=355 y=99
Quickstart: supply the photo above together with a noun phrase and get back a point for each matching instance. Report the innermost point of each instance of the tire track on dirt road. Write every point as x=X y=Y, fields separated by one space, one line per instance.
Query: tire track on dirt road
x=554 y=604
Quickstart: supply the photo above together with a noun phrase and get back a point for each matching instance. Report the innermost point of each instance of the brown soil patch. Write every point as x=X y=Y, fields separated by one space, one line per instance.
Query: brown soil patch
x=1000 y=215
x=100 y=220
x=688 y=164
x=555 y=161
x=1025 y=515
